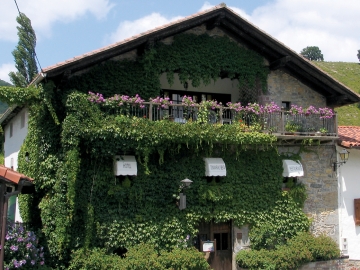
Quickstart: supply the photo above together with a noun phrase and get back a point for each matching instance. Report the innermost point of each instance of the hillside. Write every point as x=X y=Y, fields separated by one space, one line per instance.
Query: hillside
x=349 y=75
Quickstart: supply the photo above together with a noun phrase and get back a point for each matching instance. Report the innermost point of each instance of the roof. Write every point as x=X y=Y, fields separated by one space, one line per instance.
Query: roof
x=349 y=136
x=278 y=54
x=241 y=30
x=13 y=177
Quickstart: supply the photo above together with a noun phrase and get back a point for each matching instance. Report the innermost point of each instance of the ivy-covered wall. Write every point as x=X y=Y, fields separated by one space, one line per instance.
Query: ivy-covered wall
x=72 y=142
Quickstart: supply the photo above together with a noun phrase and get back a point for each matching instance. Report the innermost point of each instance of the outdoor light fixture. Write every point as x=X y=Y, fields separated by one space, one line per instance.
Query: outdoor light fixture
x=186 y=85
x=182 y=197
x=27 y=159
x=185 y=183
x=344 y=156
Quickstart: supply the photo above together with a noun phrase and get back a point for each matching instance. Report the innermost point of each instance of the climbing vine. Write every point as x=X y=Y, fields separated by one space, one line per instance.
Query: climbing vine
x=79 y=203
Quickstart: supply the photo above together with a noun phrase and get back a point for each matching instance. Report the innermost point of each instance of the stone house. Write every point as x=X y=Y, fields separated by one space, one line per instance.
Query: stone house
x=289 y=80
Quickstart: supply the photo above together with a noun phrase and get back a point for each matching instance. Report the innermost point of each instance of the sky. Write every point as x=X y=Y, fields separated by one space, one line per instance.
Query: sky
x=68 y=28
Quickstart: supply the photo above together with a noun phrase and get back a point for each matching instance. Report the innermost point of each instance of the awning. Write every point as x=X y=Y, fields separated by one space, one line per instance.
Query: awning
x=125 y=165
x=292 y=168
x=215 y=167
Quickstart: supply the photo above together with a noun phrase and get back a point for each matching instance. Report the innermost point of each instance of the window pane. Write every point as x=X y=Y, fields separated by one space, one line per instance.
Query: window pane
x=217 y=236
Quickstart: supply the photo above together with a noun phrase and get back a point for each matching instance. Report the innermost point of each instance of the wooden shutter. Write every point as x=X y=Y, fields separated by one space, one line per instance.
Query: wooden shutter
x=357 y=211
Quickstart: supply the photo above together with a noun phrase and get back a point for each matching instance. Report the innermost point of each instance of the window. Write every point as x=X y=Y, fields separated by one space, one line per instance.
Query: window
x=11 y=130
x=357 y=211
x=285 y=105
x=222 y=241
x=22 y=120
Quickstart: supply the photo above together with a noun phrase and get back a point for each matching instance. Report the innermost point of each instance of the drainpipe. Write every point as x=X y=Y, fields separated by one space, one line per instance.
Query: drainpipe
x=4 y=221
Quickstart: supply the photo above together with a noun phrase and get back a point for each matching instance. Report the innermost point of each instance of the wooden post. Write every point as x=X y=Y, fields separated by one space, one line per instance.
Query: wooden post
x=221 y=115
x=282 y=122
x=150 y=111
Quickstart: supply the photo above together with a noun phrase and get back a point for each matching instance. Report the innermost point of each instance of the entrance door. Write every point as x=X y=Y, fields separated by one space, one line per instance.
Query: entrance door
x=220 y=233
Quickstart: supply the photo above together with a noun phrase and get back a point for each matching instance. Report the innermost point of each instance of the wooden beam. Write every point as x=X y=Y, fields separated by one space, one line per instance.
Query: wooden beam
x=279 y=63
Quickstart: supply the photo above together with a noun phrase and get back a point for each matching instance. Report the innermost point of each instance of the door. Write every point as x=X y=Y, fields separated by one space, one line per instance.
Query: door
x=220 y=235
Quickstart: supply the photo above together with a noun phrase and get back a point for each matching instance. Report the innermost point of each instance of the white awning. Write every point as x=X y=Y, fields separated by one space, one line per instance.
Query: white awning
x=215 y=167
x=125 y=165
x=292 y=168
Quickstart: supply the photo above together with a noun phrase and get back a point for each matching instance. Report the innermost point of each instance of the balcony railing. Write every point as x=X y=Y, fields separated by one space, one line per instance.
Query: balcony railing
x=276 y=122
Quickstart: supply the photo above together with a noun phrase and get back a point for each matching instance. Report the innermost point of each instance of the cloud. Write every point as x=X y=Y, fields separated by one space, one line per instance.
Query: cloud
x=331 y=25
x=5 y=70
x=128 y=29
x=44 y=13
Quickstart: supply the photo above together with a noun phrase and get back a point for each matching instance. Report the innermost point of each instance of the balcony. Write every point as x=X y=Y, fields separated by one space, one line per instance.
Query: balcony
x=284 y=125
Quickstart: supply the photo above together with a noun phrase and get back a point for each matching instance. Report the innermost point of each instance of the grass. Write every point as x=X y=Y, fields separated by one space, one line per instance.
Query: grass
x=349 y=75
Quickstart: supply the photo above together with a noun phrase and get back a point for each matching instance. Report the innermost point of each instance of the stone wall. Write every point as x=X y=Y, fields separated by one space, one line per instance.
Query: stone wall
x=343 y=264
x=284 y=87
x=321 y=183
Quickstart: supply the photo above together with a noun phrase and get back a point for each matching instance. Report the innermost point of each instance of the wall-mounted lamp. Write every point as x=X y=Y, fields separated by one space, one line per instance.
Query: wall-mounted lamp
x=186 y=85
x=182 y=201
x=27 y=158
x=185 y=183
x=344 y=156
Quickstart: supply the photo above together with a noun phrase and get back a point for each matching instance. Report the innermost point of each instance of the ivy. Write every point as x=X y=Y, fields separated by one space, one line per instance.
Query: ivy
x=208 y=59
x=20 y=96
x=79 y=203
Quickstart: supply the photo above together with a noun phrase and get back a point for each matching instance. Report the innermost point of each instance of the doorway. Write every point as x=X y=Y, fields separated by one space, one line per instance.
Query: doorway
x=220 y=235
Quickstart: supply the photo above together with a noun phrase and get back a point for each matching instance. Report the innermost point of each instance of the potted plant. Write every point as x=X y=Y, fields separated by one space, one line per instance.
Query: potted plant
x=311 y=131
x=323 y=131
x=291 y=127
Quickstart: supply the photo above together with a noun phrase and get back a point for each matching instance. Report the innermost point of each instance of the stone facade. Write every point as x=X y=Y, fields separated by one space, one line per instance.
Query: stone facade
x=284 y=87
x=321 y=183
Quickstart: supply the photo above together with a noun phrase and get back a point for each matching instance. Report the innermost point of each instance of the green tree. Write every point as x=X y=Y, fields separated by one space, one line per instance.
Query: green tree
x=24 y=53
x=313 y=53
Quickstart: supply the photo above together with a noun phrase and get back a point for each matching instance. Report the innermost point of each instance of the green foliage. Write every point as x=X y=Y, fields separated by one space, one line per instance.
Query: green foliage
x=79 y=204
x=142 y=76
x=292 y=126
x=208 y=59
x=20 y=96
x=301 y=249
x=312 y=53
x=24 y=53
x=143 y=256
x=299 y=194
x=274 y=227
x=83 y=205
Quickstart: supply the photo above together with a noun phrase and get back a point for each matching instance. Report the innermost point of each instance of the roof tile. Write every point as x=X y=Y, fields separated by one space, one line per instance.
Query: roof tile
x=349 y=136
x=12 y=176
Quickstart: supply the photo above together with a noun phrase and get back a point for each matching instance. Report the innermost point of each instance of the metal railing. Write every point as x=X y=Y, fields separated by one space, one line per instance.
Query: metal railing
x=276 y=122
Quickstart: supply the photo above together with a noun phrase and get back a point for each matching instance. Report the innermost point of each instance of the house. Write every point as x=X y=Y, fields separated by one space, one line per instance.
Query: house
x=349 y=195
x=105 y=178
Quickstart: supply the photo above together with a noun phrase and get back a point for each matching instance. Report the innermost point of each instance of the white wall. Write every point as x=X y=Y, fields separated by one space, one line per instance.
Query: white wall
x=349 y=189
x=13 y=144
x=221 y=86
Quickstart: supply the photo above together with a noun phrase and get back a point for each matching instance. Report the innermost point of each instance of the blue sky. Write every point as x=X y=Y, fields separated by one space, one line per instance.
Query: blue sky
x=68 y=28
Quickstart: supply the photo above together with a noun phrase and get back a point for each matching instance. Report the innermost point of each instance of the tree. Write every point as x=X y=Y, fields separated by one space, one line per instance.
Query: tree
x=312 y=53
x=24 y=53
x=358 y=55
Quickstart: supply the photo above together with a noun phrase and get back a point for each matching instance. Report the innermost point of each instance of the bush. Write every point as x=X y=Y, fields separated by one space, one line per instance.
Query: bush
x=140 y=257
x=21 y=249
x=300 y=249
